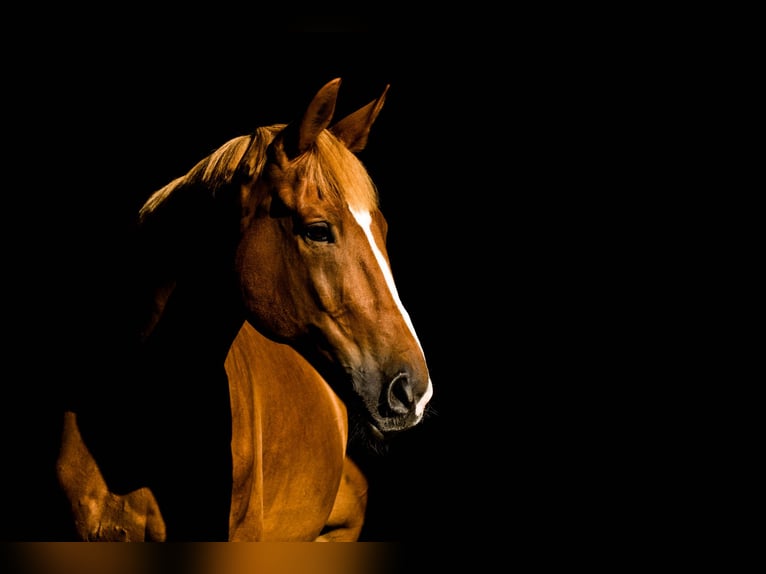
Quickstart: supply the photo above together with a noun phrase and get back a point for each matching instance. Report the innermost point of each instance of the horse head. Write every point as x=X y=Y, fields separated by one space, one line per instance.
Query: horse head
x=312 y=265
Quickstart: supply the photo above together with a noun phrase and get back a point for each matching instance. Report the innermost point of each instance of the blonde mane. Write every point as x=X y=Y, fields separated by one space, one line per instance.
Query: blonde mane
x=329 y=166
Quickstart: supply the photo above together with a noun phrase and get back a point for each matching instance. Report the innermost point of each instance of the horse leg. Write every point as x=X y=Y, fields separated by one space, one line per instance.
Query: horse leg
x=98 y=513
x=347 y=516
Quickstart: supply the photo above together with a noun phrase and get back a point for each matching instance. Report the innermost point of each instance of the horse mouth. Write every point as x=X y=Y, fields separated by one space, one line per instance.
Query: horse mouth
x=387 y=431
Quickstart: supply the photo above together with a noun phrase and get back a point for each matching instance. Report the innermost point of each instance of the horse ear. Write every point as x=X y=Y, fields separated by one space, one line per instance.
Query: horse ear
x=354 y=129
x=299 y=137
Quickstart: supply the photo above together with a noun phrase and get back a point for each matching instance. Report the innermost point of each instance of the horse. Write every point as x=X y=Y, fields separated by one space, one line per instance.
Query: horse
x=268 y=332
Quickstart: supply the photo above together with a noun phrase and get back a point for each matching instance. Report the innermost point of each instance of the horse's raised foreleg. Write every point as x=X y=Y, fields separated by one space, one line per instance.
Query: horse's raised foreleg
x=98 y=513
x=347 y=515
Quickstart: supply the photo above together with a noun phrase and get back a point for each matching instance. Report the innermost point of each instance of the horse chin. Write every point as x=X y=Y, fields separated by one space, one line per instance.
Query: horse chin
x=365 y=434
x=375 y=432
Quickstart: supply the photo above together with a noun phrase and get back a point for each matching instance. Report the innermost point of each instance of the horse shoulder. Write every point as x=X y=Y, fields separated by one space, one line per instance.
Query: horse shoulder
x=289 y=441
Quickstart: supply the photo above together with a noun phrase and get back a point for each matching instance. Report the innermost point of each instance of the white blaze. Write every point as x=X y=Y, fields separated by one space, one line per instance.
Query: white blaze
x=364 y=219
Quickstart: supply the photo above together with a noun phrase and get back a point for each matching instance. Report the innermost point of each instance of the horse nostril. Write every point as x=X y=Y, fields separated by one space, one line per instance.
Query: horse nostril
x=400 y=395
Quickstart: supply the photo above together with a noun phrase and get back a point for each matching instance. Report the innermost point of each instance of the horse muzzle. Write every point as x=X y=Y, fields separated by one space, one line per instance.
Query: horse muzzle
x=400 y=405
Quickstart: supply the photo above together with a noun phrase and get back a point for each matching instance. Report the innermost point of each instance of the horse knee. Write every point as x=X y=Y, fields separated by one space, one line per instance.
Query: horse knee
x=347 y=516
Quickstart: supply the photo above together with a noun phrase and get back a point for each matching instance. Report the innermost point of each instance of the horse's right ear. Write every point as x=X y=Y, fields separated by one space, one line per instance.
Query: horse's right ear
x=354 y=129
x=299 y=137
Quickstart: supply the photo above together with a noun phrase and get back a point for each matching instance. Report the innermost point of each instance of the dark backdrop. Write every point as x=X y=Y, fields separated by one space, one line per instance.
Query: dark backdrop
x=489 y=157
x=104 y=120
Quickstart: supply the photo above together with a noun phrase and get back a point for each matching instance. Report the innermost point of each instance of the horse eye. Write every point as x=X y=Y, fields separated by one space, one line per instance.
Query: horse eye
x=319 y=232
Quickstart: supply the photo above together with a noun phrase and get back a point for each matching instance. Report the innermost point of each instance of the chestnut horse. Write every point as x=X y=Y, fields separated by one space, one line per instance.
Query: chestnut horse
x=269 y=328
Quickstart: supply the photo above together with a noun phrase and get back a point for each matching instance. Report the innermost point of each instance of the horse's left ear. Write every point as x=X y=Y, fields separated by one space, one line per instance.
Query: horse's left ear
x=355 y=127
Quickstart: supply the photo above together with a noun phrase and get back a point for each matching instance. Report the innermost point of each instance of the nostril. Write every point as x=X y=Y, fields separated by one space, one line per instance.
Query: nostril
x=400 y=394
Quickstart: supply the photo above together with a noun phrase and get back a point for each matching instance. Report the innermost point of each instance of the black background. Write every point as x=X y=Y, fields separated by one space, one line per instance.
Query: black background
x=492 y=156
x=107 y=117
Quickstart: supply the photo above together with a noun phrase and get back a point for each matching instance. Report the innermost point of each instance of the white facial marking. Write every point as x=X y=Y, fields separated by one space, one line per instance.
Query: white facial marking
x=364 y=219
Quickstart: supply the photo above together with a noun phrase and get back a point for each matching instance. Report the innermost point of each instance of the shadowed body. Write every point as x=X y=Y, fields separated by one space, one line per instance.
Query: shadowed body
x=289 y=482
